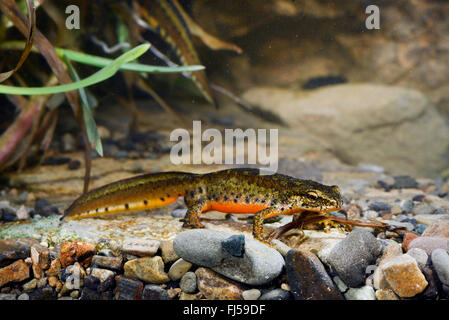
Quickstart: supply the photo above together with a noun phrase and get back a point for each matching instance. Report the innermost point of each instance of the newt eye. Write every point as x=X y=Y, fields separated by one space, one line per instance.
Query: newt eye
x=312 y=195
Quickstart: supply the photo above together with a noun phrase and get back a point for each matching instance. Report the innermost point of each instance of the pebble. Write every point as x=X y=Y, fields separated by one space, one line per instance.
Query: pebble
x=440 y=261
x=179 y=213
x=386 y=294
x=408 y=238
x=431 y=292
x=276 y=294
x=40 y=256
x=141 y=247
x=23 y=296
x=428 y=244
x=154 y=292
x=393 y=250
x=52 y=281
x=304 y=268
x=351 y=256
x=30 y=285
x=15 y=272
x=42 y=282
x=260 y=263
x=363 y=293
x=178 y=269
x=403 y=182
x=423 y=208
x=252 y=294
x=74 y=165
x=8 y=215
x=404 y=276
x=43 y=208
x=149 y=269
x=439 y=229
x=89 y=294
x=379 y=206
x=91 y=282
x=102 y=274
x=419 y=255
x=340 y=284
x=128 y=289
x=406 y=205
x=22 y=213
x=114 y=263
x=167 y=252
x=74 y=251
x=280 y=246
x=420 y=228
x=7 y=296
x=188 y=282
x=215 y=287
x=14 y=249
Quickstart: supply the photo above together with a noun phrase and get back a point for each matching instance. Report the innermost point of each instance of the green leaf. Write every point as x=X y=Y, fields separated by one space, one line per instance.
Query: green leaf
x=89 y=121
x=108 y=71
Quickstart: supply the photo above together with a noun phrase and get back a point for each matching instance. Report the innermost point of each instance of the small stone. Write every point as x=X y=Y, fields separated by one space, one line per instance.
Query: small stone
x=423 y=208
x=215 y=287
x=128 y=289
x=55 y=268
x=404 y=276
x=370 y=214
x=14 y=249
x=252 y=294
x=438 y=229
x=408 y=238
x=42 y=282
x=380 y=206
x=89 y=294
x=74 y=164
x=167 y=251
x=154 y=292
x=188 y=282
x=178 y=269
x=234 y=245
x=141 y=247
x=391 y=251
x=149 y=269
x=431 y=292
x=428 y=244
x=351 y=256
x=30 y=285
x=396 y=210
x=363 y=293
x=15 y=272
x=419 y=255
x=22 y=213
x=102 y=274
x=23 y=296
x=403 y=182
x=52 y=281
x=7 y=296
x=40 y=256
x=76 y=269
x=340 y=284
x=386 y=294
x=406 y=205
x=440 y=261
x=189 y=296
x=420 y=228
x=276 y=294
x=76 y=251
x=281 y=247
x=303 y=268
x=75 y=294
x=173 y=292
x=114 y=263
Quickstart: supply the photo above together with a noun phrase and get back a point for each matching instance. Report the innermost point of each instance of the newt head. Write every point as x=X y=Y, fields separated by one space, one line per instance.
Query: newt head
x=313 y=196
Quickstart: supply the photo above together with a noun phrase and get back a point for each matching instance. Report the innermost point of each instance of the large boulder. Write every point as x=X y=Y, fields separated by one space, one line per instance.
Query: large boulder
x=395 y=127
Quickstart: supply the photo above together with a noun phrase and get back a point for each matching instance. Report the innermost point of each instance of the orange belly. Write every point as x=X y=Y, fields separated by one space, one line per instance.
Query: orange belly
x=232 y=207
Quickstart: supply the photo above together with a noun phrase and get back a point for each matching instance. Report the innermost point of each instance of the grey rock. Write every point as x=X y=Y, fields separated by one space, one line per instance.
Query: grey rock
x=252 y=294
x=178 y=269
x=276 y=294
x=141 y=247
x=23 y=296
x=188 y=282
x=423 y=208
x=440 y=261
x=403 y=182
x=380 y=206
x=154 y=292
x=420 y=256
x=114 y=263
x=7 y=296
x=406 y=205
x=260 y=264
x=102 y=274
x=351 y=256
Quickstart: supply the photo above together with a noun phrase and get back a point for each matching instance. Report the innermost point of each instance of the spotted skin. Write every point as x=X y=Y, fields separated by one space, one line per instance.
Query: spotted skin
x=229 y=191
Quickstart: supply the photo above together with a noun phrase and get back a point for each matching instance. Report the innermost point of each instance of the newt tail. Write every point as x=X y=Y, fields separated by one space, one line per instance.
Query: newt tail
x=230 y=191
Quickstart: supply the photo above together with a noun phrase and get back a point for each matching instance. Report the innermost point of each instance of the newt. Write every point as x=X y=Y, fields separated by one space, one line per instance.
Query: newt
x=230 y=191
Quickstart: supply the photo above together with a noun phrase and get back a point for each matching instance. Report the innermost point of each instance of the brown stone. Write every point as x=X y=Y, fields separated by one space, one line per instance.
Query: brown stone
x=215 y=287
x=149 y=269
x=168 y=253
x=408 y=238
x=37 y=272
x=40 y=256
x=52 y=281
x=438 y=229
x=404 y=276
x=14 y=249
x=304 y=268
x=386 y=294
x=55 y=267
x=15 y=272
x=391 y=251
x=76 y=251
